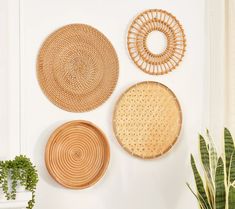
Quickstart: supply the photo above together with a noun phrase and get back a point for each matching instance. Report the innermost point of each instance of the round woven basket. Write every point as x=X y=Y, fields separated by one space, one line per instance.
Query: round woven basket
x=147 y=22
x=147 y=119
x=77 y=68
x=77 y=154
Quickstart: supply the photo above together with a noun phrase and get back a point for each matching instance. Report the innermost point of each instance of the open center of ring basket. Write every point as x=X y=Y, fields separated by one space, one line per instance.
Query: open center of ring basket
x=156 y=42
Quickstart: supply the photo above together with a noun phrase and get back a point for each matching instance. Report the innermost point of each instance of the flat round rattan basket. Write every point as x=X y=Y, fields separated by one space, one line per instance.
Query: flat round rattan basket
x=148 y=61
x=147 y=119
x=77 y=154
x=77 y=68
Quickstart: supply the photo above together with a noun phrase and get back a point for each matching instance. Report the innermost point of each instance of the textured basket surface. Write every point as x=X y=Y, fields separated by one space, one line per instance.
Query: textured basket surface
x=141 y=27
x=147 y=119
x=77 y=154
x=77 y=68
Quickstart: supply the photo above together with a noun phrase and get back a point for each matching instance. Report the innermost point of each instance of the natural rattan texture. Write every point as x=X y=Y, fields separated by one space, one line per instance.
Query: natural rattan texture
x=77 y=68
x=77 y=154
x=147 y=119
x=141 y=27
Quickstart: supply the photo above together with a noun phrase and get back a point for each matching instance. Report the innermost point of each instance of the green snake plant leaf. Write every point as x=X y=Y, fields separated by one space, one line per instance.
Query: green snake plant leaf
x=198 y=197
x=205 y=159
x=200 y=186
x=204 y=155
x=210 y=192
x=229 y=148
x=220 y=192
x=213 y=155
x=232 y=169
x=231 y=197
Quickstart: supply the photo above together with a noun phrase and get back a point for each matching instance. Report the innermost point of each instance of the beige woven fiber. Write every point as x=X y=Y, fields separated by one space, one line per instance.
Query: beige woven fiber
x=147 y=22
x=147 y=119
x=77 y=68
x=77 y=154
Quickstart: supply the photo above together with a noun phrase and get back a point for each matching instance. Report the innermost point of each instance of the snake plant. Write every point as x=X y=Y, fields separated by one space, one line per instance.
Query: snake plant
x=215 y=188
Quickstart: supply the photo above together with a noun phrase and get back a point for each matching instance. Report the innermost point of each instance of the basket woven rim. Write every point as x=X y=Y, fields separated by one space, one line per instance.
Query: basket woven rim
x=44 y=89
x=107 y=151
x=181 y=27
x=180 y=126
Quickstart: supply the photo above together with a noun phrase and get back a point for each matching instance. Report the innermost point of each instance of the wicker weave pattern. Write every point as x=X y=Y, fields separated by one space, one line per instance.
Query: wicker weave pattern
x=147 y=119
x=77 y=154
x=141 y=27
x=77 y=68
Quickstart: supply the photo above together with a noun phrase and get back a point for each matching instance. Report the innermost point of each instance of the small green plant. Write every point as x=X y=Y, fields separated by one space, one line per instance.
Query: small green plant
x=18 y=171
x=217 y=189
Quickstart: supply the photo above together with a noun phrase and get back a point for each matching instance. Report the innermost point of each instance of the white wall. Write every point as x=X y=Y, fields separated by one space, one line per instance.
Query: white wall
x=230 y=61
x=3 y=80
x=9 y=79
x=129 y=183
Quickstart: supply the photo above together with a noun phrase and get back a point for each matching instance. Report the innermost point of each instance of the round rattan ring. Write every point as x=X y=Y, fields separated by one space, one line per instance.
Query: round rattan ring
x=77 y=68
x=147 y=119
x=77 y=154
x=145 y=59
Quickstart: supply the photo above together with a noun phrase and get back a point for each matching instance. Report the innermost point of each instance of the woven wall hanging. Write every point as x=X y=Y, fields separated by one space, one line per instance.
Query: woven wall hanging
x=77 y=68
x=77 y=154
x=147 y=119
x=141 y=27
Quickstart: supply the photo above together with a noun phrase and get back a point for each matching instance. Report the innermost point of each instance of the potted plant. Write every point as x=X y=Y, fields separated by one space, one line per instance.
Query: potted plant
x=216 y=190
x=15 y=173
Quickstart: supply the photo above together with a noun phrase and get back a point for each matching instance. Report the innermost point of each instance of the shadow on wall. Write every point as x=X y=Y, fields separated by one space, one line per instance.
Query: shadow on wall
x=40 y=157
x=165 y=190
x=174 y=174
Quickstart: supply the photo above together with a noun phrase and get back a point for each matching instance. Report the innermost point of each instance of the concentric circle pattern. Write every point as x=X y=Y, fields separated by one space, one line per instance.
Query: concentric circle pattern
x=77 y=68
x=147 y=119
x=141 y=27
x=77 y=154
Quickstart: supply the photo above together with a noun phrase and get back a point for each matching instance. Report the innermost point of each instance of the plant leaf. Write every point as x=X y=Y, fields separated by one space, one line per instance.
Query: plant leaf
x=204 y=155
x=229 y=148
x=232 y=169
x=198 y=197
x=199 y=184
x=220 y=193
x=231 y=197
x=210 y=192
x=213 y=155
x=205 y=159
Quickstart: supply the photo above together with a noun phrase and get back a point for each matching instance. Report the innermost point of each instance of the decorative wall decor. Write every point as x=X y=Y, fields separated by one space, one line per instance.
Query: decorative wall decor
x=147 y=22
x=147 y=119
x=77 y=68
x=77 y=154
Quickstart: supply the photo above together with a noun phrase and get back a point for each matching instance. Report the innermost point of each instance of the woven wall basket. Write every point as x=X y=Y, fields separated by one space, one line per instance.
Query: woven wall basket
x=77 y=154
x=147 y=119
x=77 y=68
x=141 y=27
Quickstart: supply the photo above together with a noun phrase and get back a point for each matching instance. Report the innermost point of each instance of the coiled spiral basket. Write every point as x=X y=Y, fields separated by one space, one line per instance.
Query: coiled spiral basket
x=77 y=154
